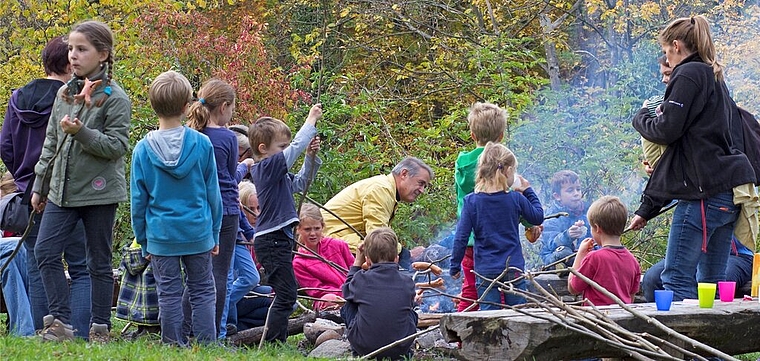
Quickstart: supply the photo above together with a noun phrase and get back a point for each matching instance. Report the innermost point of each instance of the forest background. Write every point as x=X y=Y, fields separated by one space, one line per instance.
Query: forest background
x=396 y=78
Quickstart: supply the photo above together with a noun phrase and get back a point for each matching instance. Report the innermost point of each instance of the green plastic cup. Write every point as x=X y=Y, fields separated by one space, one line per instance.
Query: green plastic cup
x=706 y=293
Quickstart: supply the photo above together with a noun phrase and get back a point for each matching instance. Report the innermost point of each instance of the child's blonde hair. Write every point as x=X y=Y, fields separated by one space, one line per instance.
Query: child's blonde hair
x=169 y=93
x=212 y=94
x=380 y=245
x=310 y=211
x=493 y=160
x=264 y=131
x=609 y=214
x=487 y=122
x=245 y=190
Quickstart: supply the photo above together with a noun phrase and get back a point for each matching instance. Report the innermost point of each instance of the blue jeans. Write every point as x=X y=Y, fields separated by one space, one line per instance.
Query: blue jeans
x=237 y=287
x=200 y=287
x=684 y=257
x=14 y=283
x=494 y=295
x=76 y=259
x=58 y=223
x=274 y=252
x=252 y=312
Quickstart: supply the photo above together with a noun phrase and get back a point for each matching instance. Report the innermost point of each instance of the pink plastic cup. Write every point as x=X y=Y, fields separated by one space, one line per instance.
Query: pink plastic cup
x=726 y=291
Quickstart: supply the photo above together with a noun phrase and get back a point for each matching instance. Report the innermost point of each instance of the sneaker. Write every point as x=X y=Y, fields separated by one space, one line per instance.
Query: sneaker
x=231 y=329
x=99 y=333
x=56 y=330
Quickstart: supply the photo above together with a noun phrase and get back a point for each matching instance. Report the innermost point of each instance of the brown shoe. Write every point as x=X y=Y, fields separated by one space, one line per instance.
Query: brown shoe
x=57 y=331
x=99 y=333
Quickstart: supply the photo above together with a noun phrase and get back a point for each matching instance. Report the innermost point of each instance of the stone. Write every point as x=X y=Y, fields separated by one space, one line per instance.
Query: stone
x=327 y=335
x=312 y=330
x=332 y=349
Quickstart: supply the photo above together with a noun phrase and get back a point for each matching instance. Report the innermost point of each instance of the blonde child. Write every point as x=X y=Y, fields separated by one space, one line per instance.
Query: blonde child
x=487 y=123
x=273 y=241
x=379 y=305
x=612 y=266
x=177 y=211
x=493 y=214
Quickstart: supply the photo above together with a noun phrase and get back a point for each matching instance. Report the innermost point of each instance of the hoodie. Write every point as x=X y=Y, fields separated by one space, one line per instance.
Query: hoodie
x=176 y=202
x=23 y=131
x=464 y=178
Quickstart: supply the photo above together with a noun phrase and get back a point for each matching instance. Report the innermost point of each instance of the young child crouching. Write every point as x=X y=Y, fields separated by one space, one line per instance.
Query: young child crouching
x=379 y=307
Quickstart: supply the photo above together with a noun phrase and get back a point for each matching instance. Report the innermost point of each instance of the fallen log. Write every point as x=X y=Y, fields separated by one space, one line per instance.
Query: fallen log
x=252 y=336
x=508 y=335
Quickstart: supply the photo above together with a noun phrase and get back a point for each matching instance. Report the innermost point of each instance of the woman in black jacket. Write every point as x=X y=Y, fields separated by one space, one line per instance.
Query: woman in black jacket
x=701 y=164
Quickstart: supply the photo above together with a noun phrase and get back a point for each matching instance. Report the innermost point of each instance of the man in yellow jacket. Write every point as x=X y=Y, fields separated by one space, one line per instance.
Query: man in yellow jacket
x=371 y=203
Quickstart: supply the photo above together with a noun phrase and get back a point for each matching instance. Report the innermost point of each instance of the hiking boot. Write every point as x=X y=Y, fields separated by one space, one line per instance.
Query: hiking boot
x=56 y=330
x=99 y=333
x=231 y=329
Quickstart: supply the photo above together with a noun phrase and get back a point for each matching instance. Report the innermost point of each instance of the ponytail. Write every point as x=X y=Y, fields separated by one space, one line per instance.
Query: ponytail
x=694 y=34
x=493 y=160
x=213 y=93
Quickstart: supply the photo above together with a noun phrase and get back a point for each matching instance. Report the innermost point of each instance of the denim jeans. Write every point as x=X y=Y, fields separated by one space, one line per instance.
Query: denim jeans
x=58 y=223
x=684 y=257
x=738 y=269
x=274 y=252
x=494 y=295
x=221 y=262
x=202 y=297
x=14 y=283
x=252 y=312
x=242 y=277
x=652 y=280
x=76 y=258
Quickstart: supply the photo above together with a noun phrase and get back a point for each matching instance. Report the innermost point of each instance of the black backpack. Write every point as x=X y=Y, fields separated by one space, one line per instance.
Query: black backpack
x=751 y=136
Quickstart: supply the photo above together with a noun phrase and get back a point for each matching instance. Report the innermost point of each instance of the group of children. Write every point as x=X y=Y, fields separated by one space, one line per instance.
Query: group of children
x=186 y=214
x=492 y=201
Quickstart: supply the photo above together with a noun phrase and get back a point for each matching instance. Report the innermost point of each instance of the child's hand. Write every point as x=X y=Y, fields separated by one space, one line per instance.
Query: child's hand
x=314 y=114
x=523 y=185
x=313 y=146
x=586 y=246
x=38 y=202
x=647 y=168
x=577 y=230
x=215 y=250
x=360 y=259
x=69 y=126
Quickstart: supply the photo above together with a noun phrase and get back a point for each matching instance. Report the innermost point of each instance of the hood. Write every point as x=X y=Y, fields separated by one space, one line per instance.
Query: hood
x=33 y=103
x=174 y=150
x=467 y=165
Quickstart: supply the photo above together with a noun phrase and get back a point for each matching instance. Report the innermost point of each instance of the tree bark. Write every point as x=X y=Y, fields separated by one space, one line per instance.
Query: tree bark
x=252 y=336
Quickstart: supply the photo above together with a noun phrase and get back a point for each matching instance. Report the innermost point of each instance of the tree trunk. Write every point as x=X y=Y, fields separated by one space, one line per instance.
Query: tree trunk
x=252 y=336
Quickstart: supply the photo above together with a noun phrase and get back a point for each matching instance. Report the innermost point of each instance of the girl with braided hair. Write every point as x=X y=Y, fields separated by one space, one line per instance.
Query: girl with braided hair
x=80 y=176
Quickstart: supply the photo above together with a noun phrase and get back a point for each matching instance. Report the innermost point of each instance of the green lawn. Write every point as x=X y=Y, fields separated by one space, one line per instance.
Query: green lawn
x=31 y=348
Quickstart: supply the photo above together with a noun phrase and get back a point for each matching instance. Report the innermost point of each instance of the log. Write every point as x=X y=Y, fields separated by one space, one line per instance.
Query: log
x=252 y=336
x=733 y=328
x=426 y=320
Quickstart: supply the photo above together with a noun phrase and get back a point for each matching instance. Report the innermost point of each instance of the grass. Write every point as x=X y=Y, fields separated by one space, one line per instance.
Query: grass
x=149 y=349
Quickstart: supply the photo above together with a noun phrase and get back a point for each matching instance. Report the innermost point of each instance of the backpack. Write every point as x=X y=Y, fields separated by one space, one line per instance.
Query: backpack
x=14 y=212
x=751 y=136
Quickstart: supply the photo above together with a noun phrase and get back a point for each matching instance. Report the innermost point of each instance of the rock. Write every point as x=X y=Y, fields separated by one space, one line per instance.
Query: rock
x=427 y=341
x=332 y=349
x=312 y=330
x=327 y=335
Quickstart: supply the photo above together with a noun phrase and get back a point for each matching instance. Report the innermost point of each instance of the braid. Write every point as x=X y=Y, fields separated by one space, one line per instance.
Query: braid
x=107 y=82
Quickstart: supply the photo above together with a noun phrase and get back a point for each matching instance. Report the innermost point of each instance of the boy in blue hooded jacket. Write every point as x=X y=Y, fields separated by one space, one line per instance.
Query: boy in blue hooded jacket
x=175 y=196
